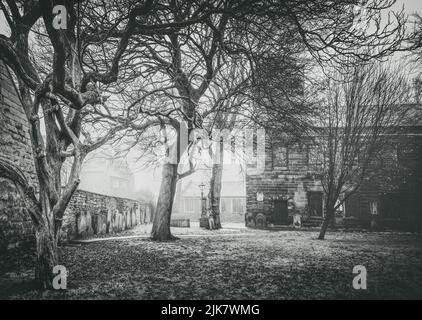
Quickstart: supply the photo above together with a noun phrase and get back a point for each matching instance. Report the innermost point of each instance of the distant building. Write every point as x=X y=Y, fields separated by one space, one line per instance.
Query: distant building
x=187 y=203
x=290 y=185
x=103 y=174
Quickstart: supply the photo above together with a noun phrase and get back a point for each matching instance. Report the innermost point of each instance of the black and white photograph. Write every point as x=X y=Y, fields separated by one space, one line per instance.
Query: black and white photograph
x=208 y=156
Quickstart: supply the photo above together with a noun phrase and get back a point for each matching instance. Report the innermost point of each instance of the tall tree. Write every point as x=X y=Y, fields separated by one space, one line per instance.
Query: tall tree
x=223 y=123
x=362 y=107
x=60 y=93
x=188 y=59
x=416 y=39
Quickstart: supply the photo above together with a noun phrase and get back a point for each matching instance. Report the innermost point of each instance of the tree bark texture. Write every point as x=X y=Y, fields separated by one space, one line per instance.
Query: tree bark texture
x=161 y=225
x=328 y=218
x=215 y=193
x=47 y=256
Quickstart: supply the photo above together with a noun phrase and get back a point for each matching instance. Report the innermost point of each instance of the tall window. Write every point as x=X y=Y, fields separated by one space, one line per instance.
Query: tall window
x=232 y=205
x=314 y=157
x=315 y=204
x=191 y=205
x=225 y=205
x=280 y=157
x=238 y=206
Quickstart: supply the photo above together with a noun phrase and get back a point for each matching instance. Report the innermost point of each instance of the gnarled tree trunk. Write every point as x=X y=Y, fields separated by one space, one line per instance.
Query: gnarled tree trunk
x=217 y=170
x=42 y=216
x=47 y=256
x=328 y=218
x=161 y=225
x=47 y=231
x=215 y=193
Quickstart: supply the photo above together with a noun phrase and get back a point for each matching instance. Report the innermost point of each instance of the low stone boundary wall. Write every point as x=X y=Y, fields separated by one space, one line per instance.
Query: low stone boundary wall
x=90 y=214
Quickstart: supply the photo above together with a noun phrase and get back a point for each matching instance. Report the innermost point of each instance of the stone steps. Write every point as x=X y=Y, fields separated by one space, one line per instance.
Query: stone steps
x=312 y=222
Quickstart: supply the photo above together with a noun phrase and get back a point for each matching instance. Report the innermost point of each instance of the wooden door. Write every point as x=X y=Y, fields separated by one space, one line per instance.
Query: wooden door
x=280 y=214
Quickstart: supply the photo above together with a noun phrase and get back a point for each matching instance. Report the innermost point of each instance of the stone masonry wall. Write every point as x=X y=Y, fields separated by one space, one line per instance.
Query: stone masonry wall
x=90 y=213
x=15 y=146
x=289 y=178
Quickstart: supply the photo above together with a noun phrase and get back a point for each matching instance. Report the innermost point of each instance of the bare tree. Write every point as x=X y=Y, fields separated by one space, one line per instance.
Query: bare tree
x=416 y=40
x=362 y=106
x=228 y=114
x=186 y=61
x=178 y=58
x=272 y=97
x=60 y=93
x=189 y=58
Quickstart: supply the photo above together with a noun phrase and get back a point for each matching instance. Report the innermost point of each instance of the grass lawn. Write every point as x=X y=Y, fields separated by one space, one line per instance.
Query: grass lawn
x=251 y=264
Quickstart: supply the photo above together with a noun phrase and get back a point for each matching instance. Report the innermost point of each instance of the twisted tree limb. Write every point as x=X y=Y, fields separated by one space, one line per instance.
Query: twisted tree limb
x=12 y=172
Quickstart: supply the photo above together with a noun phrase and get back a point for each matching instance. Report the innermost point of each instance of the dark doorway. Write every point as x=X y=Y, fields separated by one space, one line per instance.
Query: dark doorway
x=392 y=205
x=280 y=214
x=315 y=203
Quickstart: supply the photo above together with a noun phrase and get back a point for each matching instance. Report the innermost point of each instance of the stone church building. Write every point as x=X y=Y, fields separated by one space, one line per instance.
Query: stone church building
x=290 y=187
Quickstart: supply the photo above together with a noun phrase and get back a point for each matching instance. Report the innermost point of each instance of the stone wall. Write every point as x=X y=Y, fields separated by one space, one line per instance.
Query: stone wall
x=289 y=176
x=397 y=189
x=90 y=213
x=15 y=146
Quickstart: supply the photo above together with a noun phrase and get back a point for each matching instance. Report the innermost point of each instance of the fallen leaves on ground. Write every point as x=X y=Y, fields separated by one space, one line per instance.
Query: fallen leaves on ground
x=252 y=265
